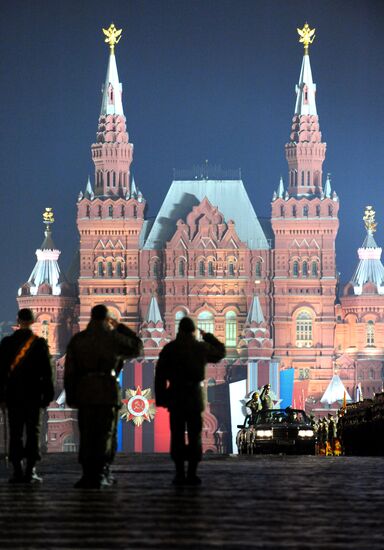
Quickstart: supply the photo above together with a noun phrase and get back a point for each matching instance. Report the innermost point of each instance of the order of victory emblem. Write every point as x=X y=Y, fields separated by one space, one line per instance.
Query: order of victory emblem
x=138 y=406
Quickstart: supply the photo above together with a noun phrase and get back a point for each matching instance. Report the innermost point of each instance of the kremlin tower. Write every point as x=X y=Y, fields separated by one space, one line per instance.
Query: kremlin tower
x=305 y=225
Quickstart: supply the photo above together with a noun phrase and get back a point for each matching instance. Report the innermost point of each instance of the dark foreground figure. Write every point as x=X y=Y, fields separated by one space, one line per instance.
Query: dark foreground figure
x=180 y=372
x=26 y=387
x=93 y=362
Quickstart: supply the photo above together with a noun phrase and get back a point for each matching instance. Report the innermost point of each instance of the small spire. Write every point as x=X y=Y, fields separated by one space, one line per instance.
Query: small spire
x=255 y=313
x=134 y=189
x=327 y=188
x=111 y=103
x=280 y=190
x=89 y=194
x=306 y=89
x=153 y=313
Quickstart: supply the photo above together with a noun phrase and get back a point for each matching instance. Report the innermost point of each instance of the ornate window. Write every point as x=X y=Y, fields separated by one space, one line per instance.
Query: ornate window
x=123 y=211
x=230 y=329
x=210 y=269
x=318 y=211
x=134 y=211
x=100 y=269
x=201 y=268
x=304 y=269
x=119 y=271
x=88 y=211
x=100 y=212
x=155 y=269
x=295 y=269
x=282 y=213
x=206 y=322
x=305 y=210
x=181 y=269
x=231 y=269
x=109 y=269
x=178 y=316
x=370 y=333
x=314 y=270
x=330 y=210
x=258 y=268
x=110 y=211
x=304 y=330
x=294 y=211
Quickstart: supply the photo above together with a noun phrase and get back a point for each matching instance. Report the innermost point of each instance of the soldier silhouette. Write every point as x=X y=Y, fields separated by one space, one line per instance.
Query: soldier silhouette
x=179 y=375
x=93 y=361
x=26 y=387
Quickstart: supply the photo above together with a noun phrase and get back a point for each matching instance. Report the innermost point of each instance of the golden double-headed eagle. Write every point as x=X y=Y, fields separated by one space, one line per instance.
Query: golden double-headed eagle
x=113 y=36
x=48 y=215
x=369 y=219
x=307 y=36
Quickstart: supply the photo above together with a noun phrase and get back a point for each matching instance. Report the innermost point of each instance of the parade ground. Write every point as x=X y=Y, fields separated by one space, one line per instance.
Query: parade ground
x=244 y=502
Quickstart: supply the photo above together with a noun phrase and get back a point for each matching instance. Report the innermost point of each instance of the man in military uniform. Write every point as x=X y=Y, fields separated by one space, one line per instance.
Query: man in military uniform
x=255 y=406
x=179 y=375
x=93 y=361
x=26 y=387
x=266 y=399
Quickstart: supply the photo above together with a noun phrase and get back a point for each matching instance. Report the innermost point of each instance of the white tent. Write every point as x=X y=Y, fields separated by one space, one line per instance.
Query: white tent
x=335 y=391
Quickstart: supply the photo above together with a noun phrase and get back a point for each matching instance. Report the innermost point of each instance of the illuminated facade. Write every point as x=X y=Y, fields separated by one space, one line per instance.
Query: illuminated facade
x=268 y=293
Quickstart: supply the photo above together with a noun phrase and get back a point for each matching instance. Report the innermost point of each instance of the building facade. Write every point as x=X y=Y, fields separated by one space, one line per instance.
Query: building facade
x=268 y=291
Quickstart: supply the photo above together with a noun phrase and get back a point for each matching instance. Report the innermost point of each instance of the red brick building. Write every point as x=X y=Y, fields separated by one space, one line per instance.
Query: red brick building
x=267 y=290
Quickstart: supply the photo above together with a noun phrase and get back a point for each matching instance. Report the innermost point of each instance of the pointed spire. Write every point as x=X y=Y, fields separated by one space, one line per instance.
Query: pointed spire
x=46 y=270
x=134 y=189
x=89 y=194
x=335 y=391
x=112 y=90
x=370 y=268
x=327 y=188
x=153 y=313
x=306 y=89
x=255 y=313
x=280 y=190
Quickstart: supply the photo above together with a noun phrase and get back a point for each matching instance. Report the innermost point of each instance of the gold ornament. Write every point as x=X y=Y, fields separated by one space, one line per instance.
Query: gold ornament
x=113 y=36
x=307 y=36
x=48 y=215
x=369 y=219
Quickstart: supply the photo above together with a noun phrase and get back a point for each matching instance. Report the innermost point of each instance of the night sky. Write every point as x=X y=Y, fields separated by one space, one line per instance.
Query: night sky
x=202 y=79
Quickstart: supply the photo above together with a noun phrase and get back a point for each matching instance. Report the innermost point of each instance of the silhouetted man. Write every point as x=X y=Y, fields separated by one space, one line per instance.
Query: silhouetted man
x=93 y=361
x=26 y=387
x=179 y=375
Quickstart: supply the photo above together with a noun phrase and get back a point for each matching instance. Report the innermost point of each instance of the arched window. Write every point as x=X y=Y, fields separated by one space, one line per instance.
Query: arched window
x=318 y=211
x=370 y=334
x=88 y=211
x=295 y=178
x=230 y=329
x=305 y=210
x=134 y=211
x=330 y=210
x=205 y=321
x=100 y=270
x=295 y=269
x=304 y=270
x=118 y=269
x=45 y=330
x=258 y=268
x=100 y=211
x=282 y=212
x=304 y=330
x=155 y=268
x=109 y=269
x=122 y=211
x=181 y=269
x=308 y=178
x=302 y=178
x=179 y=315
x=294 y=211
x=210 y=269
x=231 y=269
x=314 y=269
x=201 y=268
x=110 y=211
x=108 y=179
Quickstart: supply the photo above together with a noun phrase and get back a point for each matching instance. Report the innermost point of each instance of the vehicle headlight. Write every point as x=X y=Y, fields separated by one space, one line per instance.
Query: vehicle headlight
x=264 y=433
x=305 y=433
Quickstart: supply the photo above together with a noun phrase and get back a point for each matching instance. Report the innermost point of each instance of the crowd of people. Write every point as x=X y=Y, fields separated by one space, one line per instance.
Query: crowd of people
x=94 y=359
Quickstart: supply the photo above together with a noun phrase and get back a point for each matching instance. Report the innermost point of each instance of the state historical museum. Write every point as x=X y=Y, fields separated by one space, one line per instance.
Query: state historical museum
x=269 y=291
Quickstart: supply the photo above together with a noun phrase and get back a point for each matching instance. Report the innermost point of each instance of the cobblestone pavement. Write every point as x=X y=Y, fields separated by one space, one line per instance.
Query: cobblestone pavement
x=268 y=502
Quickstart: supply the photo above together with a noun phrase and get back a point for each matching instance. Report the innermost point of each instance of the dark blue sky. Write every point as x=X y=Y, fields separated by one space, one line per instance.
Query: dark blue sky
x=202 y=79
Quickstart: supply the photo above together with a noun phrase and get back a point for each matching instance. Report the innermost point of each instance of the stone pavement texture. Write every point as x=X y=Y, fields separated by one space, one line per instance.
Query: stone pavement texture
x=268 y=502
